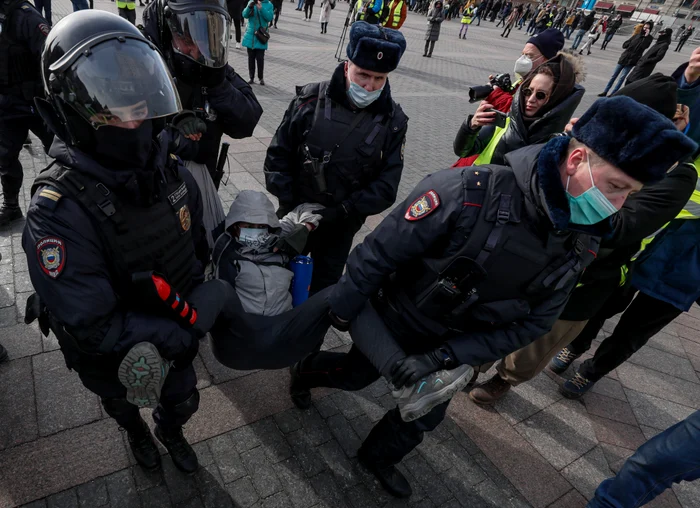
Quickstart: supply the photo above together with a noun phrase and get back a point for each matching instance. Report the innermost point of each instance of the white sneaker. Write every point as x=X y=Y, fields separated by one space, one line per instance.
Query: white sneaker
x=238 y=45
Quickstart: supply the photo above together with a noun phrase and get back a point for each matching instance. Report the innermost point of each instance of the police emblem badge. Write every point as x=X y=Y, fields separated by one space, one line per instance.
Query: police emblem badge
x=51 y=252
x=185 y=218
x=423 y=206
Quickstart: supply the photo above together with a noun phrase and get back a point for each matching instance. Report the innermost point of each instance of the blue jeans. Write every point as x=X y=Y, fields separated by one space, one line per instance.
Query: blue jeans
x=622 y=71
x=300 y=5
x=577 y=39
x=567 y=31
x=670 y=457
x=79 y=5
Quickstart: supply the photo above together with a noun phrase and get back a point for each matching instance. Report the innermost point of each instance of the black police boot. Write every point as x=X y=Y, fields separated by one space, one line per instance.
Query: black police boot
x=143 y=447
x=389 y=476
x=184 y=457
x=3 y=354
x=298 y=390
x=10 y=210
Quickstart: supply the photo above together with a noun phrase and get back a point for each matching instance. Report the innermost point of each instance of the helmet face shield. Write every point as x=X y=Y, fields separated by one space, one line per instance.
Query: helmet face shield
x=201 y=36
x=118 y=81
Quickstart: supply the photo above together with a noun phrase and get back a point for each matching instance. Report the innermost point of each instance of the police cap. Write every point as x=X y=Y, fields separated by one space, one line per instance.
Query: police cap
x=375 y=48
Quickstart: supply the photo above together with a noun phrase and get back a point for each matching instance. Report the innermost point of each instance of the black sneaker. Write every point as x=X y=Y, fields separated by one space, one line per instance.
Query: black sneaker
x=391 y=478
x=143 y=447
x=9 y=214
x=300 y=394
x=3 y=354
x=561 y=362
x=184 y=457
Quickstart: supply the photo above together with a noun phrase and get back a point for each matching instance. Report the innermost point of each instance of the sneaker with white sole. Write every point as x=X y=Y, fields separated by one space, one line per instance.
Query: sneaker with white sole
x=417 y=400
x=143 y=372
x=238 y=45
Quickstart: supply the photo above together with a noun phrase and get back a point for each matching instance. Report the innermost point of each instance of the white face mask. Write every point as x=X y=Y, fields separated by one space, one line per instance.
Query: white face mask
x=523 y=65
x=253 y=237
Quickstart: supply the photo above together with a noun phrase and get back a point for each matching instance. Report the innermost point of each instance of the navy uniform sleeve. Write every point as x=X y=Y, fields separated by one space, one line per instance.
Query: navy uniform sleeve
x=399 y=238
x=199 y=234
x=32 y=29
x=380 y=194
x=68 y=268
x=235 y=104
x=281 y=165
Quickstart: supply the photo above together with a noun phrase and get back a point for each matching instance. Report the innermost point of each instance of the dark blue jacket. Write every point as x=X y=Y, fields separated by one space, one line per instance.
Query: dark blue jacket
x=82 y=295
x=689 y=94
x=670 y=270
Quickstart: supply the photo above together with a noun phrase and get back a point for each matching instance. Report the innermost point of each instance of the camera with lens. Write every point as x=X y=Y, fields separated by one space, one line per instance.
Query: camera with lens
x=479 y=93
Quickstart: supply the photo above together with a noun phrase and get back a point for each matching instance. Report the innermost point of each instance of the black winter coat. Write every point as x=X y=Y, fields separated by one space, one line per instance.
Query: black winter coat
x=470 y=141
x=634 y=49
x=646 y=64
x=588 y=22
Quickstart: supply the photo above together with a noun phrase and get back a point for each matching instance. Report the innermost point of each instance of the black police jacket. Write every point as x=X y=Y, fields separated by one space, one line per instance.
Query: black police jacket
x=435 y=223
x=70 y=264
x=364 y=172
x=22 y=38
x=232 y=99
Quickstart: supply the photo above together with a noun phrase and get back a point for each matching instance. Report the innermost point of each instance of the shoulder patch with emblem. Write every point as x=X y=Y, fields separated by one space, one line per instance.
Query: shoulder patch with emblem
x=44 y=28
x=51 y=253
x=423 y=206
x=185 y=218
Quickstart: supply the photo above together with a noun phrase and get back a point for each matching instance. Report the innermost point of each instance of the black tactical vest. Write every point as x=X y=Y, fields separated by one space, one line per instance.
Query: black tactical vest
x=503 y=268
x=19 y=69
x=136 y=238
x=350 y=149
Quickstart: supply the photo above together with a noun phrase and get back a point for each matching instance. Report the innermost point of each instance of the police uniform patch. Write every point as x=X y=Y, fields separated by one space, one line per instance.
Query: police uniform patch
x=185 y=219
x=423 y=206
x=51 y=252
x=44 y=28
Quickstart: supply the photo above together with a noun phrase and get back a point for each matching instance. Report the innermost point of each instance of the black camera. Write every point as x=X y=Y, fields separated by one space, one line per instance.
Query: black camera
x=479 y=93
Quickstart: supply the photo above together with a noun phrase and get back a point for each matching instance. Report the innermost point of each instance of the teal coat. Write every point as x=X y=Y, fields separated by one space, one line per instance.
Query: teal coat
x=255 y=17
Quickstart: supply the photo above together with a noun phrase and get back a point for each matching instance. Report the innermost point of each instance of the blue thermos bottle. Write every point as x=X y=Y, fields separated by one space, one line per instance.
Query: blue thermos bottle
x=302 y=267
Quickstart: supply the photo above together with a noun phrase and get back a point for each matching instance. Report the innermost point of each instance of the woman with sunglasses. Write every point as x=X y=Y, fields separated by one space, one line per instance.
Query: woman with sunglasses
x=542 y=107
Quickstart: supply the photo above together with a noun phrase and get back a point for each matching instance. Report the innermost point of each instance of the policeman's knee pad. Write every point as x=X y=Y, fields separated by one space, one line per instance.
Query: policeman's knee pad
x=187 y=407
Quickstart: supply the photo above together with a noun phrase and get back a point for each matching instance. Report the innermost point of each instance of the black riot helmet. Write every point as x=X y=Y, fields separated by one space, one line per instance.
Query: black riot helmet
x=98 y=71
x=196 y=30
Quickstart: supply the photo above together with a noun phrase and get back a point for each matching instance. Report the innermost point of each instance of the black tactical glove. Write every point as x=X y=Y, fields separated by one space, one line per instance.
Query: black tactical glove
x=189 y=124
x=293 y=243
x=338 y=322
x=211 y=77
x=332 y=213
x=408 y=371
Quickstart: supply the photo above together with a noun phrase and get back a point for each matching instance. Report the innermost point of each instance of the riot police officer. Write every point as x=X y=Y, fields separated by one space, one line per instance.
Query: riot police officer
x=193 y=36
x=479 y=262
x=22 y=34
x=340 y=144
x=115 y=208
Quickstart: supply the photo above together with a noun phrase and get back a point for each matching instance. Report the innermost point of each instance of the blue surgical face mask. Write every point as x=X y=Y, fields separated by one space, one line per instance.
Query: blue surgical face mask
x=590 y=207
x=253 y=237
x=361 y=97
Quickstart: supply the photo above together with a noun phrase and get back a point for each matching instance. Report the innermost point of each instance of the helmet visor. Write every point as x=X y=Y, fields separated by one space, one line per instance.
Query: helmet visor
x=201 y=36
x=117 y=82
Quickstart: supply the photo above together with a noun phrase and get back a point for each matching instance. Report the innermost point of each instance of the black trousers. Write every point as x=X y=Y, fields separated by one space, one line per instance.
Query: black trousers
x=308 y=10
x=256 y=56
x=391 y=439
x=330 y=246
x=16 y=120
x=179 y=398
x=429 y=45
x=680 y=44
x=128 y=14
x=644 y=318
x=278 y=10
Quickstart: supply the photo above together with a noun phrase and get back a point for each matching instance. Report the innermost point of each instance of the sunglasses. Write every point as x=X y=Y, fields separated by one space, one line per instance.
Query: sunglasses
x=539 y=94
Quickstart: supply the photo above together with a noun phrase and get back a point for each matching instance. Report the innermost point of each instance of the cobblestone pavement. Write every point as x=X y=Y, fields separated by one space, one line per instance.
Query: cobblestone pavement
x=58 y=449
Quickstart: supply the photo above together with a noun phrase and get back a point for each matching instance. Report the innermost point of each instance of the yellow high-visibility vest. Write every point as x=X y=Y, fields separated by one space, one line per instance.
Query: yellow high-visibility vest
x=487 y=154
x=126 y=4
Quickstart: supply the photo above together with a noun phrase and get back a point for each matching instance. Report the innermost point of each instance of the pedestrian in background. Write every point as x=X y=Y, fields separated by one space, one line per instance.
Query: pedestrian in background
x=308 y=9
x=432 y=34
x=466 y=21
x=259 y=13
x=634 y=49
x=126 y=8
x=586 y=24
x=612 y=30
x=324 y=18
x=592 y=36
x=656 y=53
x=680 y=31
x=569 y=28
x=684 y=37
x=277 y=6
x=512 y=18
x=45 y=6
x=397 y=14
x=235 y=9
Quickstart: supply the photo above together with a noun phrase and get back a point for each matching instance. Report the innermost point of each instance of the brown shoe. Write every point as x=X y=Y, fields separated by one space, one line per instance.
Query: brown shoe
x=489 y=392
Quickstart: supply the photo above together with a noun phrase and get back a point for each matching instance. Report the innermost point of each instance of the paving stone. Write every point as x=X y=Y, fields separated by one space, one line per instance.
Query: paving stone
x=587 y=472
x=226 y=458
x=272 y=440
x=261 y=472
x=288 y=421
x=573 y=499
x=62 y=401
x=610 y=388
x=492 y=495
x=328 y=490
x=347 y=404
x=204 y=455
x=458 y=434
x=668 y=343
x=7 y=295
x=156 y=497
x=360 y=497
x=122 y=490
x=180 y=486
x=667 y=363
x=659 y=385
x=195 y=502
x=607 y=407
x=211 y=488
x=41 y=503
x=145 y=480
x=667 y=499
x=649 y=432
x=617 y=433
x=615 y=455
x=688 y=493
x=690 y=347
x=344 y=434
x=243 y=493
x=326 y=407
x=8 y=316
x=655 y=412
x=17 y=404
x=21 y=341
x=533 y=476
x=93 y=494
x=279 y=500
x=245 y=438
x=315 y=429
x=431 y=483
x=561 y=432
x=362 y=426
x=309 y=459
x=65 y=499
x=339 y=464
x=527 y=399
x=294 y=482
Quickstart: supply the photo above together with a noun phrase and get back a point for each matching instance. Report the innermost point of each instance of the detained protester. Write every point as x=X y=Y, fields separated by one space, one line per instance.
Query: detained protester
x=340 y=144
x=419 y=299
